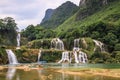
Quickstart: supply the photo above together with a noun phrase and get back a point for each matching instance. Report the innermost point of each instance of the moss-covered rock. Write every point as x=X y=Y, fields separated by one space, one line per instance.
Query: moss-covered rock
x=31 y=55
x=42 y=43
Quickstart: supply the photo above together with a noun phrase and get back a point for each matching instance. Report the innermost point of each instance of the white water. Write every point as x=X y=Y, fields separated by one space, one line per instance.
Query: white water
x=18 y=41
x=76 y=43
x=11 y=56
x=39 y=55
x=100 y=45
x=65 y=57
x=76 y=57
x=57 y=44
x=80 y=57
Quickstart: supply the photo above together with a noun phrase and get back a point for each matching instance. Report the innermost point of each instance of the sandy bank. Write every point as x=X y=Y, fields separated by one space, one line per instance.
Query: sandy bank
x=92 y=72
x=23 y=67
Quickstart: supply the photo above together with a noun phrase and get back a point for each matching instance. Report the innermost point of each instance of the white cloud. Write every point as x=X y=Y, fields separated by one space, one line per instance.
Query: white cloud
x=27 y=12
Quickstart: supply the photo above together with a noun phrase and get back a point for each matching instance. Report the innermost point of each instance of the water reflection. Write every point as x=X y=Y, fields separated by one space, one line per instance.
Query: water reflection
x=49 y=73
x=10 y=73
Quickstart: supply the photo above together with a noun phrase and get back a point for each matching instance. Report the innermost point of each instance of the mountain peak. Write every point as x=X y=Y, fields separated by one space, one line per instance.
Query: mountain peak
x=48 y=14
x=59 y=15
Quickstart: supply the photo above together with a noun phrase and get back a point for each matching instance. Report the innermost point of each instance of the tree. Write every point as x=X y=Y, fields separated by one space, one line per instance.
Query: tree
x=95 y=35
x=110 y=39
x=117 y=47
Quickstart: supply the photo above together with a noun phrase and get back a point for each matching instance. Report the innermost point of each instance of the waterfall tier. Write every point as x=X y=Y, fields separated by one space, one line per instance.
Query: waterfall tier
x=80 y=57
x=57 y=44
x=65 y=57
x=11 y=56
x=100 y=45
x=18 y=41
x=39 y=55
x=76 y=43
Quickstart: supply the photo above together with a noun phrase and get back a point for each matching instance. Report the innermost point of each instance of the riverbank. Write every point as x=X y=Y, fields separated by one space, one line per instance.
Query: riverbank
x=92 y=72
x=26 y=67
x=115 y=73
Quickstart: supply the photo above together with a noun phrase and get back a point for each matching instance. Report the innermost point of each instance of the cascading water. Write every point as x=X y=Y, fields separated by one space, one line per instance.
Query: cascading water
x=65 y=57
x=57 y=44
x=39 y=55
x=100 y=45
x=76 y=57
x=80 y=57
x=18 y=41
x=76 y=43
x=11 y=56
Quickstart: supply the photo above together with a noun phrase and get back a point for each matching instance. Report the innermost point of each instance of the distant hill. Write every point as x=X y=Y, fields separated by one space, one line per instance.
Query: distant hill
x=48 y=15
x=59 y=15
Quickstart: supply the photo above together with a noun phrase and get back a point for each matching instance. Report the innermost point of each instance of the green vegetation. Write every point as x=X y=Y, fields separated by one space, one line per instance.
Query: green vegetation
x=31 y=55
x=94 y=20
x=103 y=25
x=37 y=32
x=3 y=56
x=8 y=32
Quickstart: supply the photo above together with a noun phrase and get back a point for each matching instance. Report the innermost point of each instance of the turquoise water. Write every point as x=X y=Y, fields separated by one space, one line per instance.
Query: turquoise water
x=48 y=73
x=65 y=65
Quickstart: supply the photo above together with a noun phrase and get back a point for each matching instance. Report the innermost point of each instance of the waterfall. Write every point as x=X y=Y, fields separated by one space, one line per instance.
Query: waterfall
x=18 y=41
x=76 y=57
x=57 y=44
x=100 y=45
x=11 y=56
x=65 y=57
x=39 y=55
x=80 y=57
x=76 y=43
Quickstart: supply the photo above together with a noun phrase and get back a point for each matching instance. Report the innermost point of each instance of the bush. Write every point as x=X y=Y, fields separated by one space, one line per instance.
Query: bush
x=117 y=47
x=42 y=43
x=3 y=56
x=100 y=57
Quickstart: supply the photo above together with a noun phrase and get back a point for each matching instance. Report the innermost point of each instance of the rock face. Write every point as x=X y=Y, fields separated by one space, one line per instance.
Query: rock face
x=82 y=3
x=48 y=15
x=88 y=7
x=91 y=2
x=59 y=15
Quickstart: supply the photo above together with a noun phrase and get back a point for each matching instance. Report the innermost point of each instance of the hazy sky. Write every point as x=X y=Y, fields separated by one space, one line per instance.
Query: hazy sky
x=27 y=12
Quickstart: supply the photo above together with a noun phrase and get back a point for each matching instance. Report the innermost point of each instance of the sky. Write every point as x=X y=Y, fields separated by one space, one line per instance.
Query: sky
x=26 y=12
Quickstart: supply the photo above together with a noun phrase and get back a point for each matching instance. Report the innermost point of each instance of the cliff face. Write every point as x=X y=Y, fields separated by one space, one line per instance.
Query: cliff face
x=48 y=15
x=89 y=7
x=88 y=2
x=60 y=14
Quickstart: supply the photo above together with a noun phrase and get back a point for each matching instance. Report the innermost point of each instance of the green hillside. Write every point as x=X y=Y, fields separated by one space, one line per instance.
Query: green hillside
x=109 y=14
x=103 y=24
